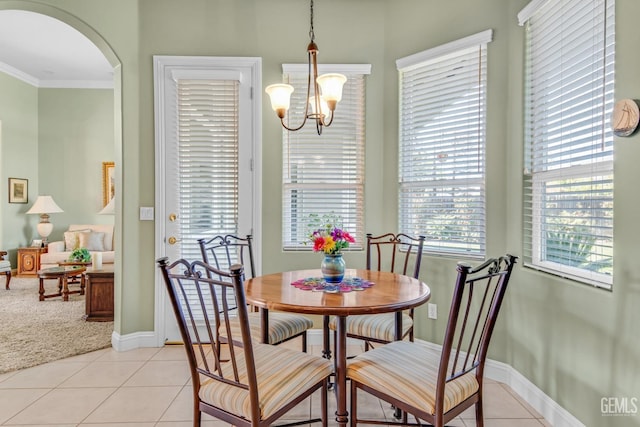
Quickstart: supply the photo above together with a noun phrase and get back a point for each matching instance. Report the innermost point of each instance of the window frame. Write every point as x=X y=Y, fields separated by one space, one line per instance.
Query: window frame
x=355 y=223
x=434 y=57
x=542 y=165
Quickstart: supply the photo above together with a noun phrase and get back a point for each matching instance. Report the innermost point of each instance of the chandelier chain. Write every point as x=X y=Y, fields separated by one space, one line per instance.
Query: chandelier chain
x=312 y=35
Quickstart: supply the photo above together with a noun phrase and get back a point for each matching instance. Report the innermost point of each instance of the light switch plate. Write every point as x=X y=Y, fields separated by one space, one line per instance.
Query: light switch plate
x=146 y=213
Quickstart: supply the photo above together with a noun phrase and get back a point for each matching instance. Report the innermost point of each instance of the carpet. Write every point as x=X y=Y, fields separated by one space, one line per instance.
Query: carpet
x=33 y=332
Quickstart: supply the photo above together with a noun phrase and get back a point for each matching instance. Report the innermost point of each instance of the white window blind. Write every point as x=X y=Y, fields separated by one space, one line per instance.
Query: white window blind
x=442 y=146
x=208 y=160
x=324 y=174
x=568 y=175
x=207 y=179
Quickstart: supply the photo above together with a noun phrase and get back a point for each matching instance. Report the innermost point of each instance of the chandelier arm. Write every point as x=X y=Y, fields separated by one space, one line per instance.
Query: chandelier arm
x=293 y=129
x=310 y=60
x=324 y=123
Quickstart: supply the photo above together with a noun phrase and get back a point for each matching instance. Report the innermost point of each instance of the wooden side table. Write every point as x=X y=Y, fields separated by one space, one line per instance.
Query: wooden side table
x=99 y=294
x=29 y=261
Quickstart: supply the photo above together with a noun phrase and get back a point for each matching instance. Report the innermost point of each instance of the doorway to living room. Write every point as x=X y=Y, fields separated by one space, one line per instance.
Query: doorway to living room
x=54 y=80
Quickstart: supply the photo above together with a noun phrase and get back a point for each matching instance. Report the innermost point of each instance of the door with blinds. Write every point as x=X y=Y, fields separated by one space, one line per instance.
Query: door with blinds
x=206 y=148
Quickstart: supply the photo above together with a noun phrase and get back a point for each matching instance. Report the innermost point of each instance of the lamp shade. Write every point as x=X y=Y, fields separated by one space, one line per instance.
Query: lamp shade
x=331 y=86
x=324 y=107
x=44 y=205
x=110 y=208
x=280 y=95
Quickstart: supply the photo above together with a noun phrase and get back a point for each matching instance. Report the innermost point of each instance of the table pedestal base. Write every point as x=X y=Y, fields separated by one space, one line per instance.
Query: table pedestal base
x=342 y=415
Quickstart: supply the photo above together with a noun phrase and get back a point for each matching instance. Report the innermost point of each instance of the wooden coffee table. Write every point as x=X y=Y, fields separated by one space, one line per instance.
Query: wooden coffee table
x=74 y=279
x=62 y=274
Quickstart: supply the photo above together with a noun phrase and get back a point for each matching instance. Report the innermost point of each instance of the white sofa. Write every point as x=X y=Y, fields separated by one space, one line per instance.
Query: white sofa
x=94 y=237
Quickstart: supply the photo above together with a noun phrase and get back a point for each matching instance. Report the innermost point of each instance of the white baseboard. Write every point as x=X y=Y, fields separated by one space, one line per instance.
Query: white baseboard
x=556 y=415
x=133 y=341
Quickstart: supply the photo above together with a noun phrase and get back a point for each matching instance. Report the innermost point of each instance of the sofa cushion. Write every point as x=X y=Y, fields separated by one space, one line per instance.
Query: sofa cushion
x=107 y=229
x=52 y=259
x=92 y=240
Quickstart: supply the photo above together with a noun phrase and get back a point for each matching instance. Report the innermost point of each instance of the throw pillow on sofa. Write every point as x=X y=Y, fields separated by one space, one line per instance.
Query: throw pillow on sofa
x=72 y=239
x=92 y=240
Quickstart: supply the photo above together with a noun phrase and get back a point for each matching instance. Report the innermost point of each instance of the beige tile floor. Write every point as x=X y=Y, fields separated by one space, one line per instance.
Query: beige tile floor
x=150 y=387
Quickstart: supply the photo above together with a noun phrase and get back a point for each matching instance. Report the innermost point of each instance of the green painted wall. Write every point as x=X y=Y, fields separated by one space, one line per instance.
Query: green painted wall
x=578 y=344
x=75 y=137
x=57 y=139
x=18 y=159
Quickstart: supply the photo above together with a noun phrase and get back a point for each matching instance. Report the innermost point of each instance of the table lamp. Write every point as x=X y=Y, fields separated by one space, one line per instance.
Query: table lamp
x=44 y=205
x=110 y=208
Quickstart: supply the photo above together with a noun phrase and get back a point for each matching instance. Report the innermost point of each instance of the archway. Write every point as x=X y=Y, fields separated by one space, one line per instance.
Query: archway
x=114 y=61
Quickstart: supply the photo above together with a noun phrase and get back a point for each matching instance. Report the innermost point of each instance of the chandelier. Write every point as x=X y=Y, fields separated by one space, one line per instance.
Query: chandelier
x=327 y=91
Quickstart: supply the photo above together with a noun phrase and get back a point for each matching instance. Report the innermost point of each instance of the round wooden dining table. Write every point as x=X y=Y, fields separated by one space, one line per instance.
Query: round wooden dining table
x=390 y=292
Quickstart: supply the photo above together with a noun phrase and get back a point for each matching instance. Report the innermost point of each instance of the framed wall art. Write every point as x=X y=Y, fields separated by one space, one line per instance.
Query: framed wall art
x=18 y=190
x=108 y=182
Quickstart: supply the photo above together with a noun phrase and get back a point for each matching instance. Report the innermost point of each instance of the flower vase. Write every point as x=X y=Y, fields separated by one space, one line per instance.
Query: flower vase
x=332 y=268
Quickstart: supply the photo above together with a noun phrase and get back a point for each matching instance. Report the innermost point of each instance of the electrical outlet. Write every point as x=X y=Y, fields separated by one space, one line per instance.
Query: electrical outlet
x=433 y=311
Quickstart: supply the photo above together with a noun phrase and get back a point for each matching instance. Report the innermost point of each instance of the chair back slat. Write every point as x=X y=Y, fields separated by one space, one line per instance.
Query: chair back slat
x=223 y=251
x=396 y=253
x=477 y=297
x=201 y=296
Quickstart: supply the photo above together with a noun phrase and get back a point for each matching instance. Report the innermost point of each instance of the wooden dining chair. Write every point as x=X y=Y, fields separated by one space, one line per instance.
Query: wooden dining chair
x=255 y=384
x=436 y=384
x=221 y=252
x=396 y=253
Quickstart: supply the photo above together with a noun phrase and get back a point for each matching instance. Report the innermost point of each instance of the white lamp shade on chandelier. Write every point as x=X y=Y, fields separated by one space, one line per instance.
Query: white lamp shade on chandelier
x=280 y=95
x=44 y=205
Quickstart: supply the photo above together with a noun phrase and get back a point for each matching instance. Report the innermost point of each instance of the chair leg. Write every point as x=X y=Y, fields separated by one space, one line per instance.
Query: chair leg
x=197 y=415
x=8 y=275
x=324 y=405
x=353 y=410
x=304 y=342
x=479 y=415
x=326 y=342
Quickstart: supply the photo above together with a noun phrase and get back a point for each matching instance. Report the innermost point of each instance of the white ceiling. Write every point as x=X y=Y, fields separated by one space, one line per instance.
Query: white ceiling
x=46 y=52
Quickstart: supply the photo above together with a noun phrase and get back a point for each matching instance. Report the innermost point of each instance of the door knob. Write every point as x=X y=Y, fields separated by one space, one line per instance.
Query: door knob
x=172 y=240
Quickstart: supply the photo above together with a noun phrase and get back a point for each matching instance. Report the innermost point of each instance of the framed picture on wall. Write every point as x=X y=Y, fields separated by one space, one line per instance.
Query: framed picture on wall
x=108 y=182
x=18 y=190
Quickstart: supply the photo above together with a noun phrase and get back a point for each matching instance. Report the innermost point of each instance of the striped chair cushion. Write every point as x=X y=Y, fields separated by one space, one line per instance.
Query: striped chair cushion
x=281 y=326
x=282 y=375
x=379 y=326
x=408 y=371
